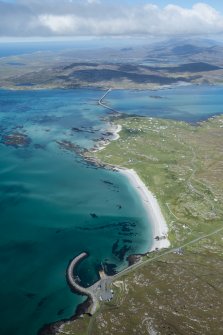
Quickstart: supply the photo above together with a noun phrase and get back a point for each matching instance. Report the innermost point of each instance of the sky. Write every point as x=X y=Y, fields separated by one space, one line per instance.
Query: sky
x=96 y=18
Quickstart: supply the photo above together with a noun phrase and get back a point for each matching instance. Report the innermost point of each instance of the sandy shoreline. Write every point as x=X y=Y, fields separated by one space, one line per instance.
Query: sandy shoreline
x=116 y=132
x=114 y=129
x=159 y=225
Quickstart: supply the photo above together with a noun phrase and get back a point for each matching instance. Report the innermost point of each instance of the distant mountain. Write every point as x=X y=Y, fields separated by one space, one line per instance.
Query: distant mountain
x=182 y=51
x=186 y=49
x=189 y=67
x=100 y=75
x=180 y=42
x=165 y=62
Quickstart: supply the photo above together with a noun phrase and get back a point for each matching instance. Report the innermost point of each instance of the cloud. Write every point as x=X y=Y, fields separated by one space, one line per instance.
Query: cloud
x=93 y=1
x=104 y=18
x=60 y=24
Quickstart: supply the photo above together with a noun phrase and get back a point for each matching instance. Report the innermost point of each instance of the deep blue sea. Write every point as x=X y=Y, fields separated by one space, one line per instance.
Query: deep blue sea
x=19 y=48
x=49 y=193
x=29 y=47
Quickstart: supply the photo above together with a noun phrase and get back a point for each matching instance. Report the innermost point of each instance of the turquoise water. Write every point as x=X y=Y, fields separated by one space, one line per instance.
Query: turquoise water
x=190 y=103
x=48 y=195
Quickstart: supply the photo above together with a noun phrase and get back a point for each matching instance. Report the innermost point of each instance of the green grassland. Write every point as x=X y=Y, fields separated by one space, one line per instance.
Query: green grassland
x=170 y=293
x=181 y=164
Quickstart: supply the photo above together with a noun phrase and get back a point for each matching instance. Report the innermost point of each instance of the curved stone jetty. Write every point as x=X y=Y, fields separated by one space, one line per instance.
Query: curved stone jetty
x=76 y=287
x=100 y=291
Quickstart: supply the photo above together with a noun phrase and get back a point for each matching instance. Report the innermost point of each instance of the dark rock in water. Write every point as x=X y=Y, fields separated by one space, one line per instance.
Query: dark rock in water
x=107 y=134
x=16 y=140
x=105 y=226
x=126 y=234
x=107 y=182
x=156 y=97
x=30 y=295
x=127 y=241
x=42 y=302
x=120 y=253
x=110 y=269
x=119 y=206
x=18 y=126
x=51 y=329
x=83 y=130
x=39 y=146
x=127 y=226
x=67 y=145
x=14 y=189
x=61 y=311
x=132 y=259
x=76 y=129
x=115 y=247
x=83 y=308
x=93 y=215
x=124 y=228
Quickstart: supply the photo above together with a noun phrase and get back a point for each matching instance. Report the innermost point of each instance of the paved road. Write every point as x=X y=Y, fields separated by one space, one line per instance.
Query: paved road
x=100 y=101
x=142 y=263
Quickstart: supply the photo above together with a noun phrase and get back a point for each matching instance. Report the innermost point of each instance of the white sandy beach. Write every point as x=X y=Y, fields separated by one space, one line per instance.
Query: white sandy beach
x=155 y=216
x=114 y=129
x=159 y=226
x=116 y=132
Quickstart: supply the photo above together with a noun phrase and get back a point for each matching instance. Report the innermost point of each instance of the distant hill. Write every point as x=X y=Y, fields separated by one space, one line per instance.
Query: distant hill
x=187 y=49
x=189 y=67
x=95 y=75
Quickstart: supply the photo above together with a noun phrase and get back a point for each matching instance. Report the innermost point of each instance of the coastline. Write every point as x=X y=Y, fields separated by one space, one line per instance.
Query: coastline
x=114 y=130
x=151 y=205
x=156 y=219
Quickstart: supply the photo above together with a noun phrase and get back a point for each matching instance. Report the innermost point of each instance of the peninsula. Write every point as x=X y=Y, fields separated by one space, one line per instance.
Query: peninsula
x=173 y=160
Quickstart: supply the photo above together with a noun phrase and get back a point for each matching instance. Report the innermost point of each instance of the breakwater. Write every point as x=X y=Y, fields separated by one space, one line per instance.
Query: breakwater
x=99 y=291
x=78 y=288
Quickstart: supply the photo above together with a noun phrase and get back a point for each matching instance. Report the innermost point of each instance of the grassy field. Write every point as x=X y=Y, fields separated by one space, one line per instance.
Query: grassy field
x=171 y=293
x=181 y=164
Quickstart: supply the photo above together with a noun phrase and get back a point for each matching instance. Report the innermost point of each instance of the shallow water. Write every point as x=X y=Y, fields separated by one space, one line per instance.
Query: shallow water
x=47 y=196
x=186 y=103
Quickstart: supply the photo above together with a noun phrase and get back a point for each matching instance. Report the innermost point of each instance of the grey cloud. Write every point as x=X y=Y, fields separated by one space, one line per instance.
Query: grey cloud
x=100 y=17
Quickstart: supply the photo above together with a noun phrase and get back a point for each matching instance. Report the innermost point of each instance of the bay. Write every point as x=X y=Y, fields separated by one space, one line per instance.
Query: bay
x=54 y=205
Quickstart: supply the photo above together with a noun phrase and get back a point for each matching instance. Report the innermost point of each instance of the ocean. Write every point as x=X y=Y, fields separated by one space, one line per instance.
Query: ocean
x=19 y=48
x=54 y=205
